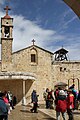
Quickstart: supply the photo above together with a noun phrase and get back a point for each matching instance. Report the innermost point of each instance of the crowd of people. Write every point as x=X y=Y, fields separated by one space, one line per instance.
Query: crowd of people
x=7 y=103
x=63 y=101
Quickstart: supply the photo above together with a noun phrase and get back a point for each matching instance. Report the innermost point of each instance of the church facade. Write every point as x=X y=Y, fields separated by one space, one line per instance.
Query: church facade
x=32 y=67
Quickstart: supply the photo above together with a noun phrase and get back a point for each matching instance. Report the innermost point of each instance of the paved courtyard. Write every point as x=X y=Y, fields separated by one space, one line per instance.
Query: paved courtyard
x=23 y=113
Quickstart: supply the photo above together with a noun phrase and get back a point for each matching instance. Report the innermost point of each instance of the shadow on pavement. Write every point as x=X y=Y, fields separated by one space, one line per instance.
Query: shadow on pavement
x=25 y=111
x=49 y=119
x=76 y=113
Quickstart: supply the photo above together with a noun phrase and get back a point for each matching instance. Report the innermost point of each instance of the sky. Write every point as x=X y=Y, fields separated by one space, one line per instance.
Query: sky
x=50 y=22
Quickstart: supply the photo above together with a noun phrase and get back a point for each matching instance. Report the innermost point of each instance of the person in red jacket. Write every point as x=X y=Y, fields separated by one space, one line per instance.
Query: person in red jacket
x=70 y=104
x=61 y=105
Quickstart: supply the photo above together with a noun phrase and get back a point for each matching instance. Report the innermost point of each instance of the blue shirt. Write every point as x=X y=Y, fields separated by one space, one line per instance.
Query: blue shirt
x=3 y=107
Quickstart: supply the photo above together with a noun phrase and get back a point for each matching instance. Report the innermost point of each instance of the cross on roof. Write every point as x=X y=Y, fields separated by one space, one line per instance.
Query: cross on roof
x=7 y=8
x=33 y=41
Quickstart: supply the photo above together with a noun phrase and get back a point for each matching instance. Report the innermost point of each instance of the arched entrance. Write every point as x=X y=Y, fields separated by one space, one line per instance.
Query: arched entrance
x=74 y=81
x=18 y=83
x=61 y=85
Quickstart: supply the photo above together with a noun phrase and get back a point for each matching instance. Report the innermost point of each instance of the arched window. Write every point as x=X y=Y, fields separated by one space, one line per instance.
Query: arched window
x=7 y=31
x=34 y=55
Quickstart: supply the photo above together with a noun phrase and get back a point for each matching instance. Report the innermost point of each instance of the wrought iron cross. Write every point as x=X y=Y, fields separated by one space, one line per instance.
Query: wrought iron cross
x=7 y=8
x=33 y=41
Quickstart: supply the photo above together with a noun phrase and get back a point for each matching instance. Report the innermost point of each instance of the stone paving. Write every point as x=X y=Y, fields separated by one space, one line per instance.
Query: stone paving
x=23 y=113
x=52 y=114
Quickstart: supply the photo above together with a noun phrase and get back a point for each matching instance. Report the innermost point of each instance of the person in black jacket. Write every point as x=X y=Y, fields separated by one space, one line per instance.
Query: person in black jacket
x=3 y=108
x=34 y=98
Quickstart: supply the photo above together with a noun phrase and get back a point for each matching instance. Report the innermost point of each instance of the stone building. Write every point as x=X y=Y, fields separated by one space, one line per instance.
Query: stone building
x=32 y=67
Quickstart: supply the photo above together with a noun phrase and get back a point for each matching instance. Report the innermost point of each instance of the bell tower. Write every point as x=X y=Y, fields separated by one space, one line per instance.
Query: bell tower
x=6 y=40
x=61 y=55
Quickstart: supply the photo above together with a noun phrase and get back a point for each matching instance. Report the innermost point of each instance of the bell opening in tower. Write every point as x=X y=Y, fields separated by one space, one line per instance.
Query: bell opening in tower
x=6 y=32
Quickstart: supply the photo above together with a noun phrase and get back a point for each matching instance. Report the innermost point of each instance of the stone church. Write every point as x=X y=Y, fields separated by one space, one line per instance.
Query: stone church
x=33 y=67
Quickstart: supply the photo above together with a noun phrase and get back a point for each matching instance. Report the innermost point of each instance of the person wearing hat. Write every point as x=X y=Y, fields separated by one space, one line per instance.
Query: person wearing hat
x=61 y=105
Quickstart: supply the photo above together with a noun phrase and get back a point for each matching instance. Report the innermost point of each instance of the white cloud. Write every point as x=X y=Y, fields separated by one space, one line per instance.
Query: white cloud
x=74 y=53
x=65 y=19
x=71 y=20
x=25 y=30
x=73 y=46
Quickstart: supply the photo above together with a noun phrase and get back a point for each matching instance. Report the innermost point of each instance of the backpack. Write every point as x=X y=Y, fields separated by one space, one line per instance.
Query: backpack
x=61 y=106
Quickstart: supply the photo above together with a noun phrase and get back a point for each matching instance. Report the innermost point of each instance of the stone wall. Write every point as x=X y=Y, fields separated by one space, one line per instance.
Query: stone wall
x=6 y=54
x=66 y=72
x=15 y=86
x=47 y=72
x=42 y=67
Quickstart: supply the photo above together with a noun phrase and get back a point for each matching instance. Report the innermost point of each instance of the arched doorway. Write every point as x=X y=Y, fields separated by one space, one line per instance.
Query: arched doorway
x=74 y=81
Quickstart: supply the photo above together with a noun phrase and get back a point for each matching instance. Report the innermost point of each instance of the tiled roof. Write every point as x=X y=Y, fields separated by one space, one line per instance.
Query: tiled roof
x=7 y=16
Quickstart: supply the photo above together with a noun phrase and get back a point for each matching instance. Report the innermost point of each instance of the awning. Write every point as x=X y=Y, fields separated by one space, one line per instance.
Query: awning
x=17 y=75
x=60 y=84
